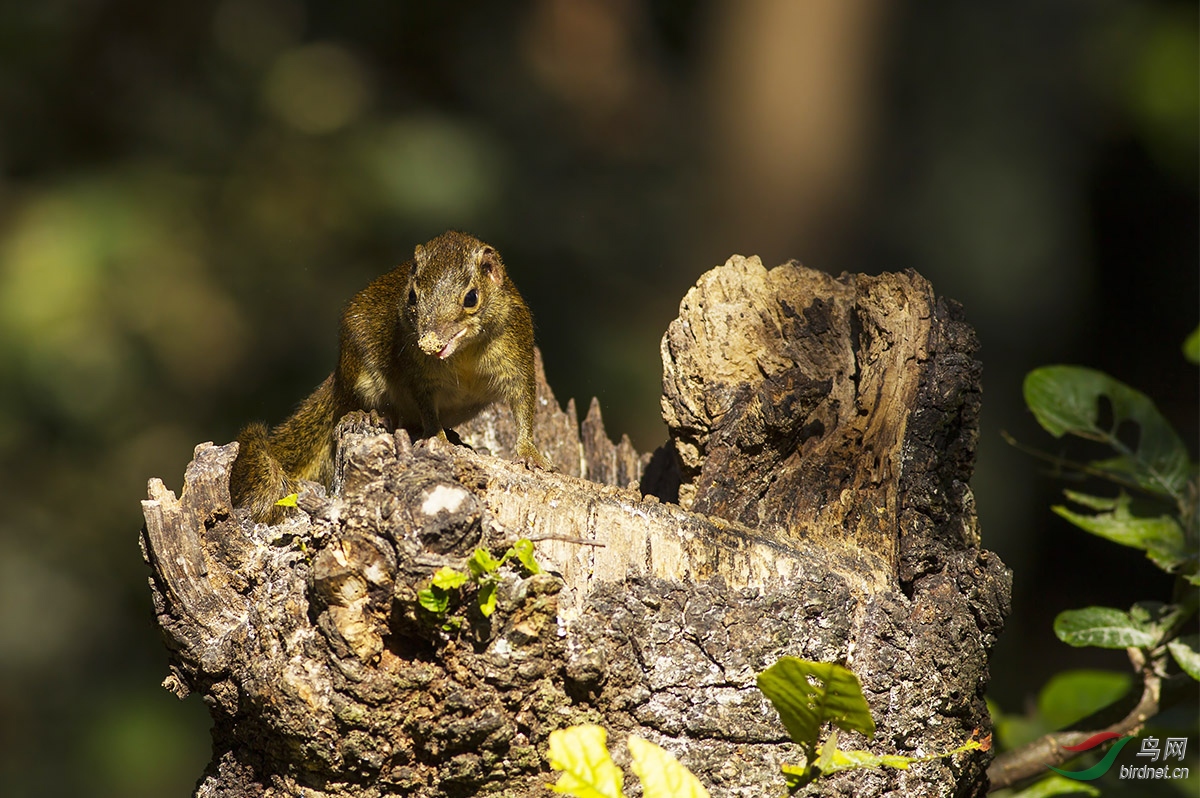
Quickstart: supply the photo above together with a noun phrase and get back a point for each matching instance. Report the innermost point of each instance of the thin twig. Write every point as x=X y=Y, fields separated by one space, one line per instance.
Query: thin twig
x=1032 y=759
x=1064 y=464
x=564 y=539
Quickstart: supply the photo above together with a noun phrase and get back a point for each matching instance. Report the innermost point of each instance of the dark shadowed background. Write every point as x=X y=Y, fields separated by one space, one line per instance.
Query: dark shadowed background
x=189 y=192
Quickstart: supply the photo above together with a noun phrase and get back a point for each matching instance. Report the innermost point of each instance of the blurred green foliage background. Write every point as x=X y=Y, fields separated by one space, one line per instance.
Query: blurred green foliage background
x=189 y=192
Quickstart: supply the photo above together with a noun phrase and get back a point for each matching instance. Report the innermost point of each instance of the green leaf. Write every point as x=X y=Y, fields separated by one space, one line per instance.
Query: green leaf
x=1072 y=695
x=1186 y=651
x=1191 y=346
x=808 y=694
x=1159 y=536
x=1164 y=620
x=661 y=774
x=581 y=753
x=1066 y=399
x=487 y=598
x=523 y=551
x=449 y=579
x=1095 y=502
x=1056 y=785
x=482 y=563
x=1104 y=627
x=1013 y=731
x=434 y=599
x=288 y=500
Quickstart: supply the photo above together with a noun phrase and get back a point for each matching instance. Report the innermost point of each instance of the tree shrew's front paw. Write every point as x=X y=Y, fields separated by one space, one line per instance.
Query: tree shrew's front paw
x=363 y=421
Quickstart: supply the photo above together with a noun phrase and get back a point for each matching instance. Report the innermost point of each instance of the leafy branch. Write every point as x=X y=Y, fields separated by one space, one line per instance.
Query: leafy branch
x=1161 y=521
x=807 y=695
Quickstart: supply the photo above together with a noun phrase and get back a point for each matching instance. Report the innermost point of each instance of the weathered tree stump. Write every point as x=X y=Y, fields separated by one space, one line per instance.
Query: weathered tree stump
x=812 y=500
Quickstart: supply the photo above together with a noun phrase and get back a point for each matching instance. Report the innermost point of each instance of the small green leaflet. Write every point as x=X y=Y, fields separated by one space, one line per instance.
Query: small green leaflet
x=809 y=694
x=483 y=569
x=487 y=598
x=523 y=551
x=448 y=578
x=434 y=599
x=482 y=563
x=832 y=759
x=288 y=500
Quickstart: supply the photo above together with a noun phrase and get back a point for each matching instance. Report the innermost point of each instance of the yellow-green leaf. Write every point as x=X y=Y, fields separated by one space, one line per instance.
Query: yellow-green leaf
x=845 y=760
x=794 y=773
x=448 y=579
x=832 y=759
x=581 y=753
x=487 y=598
x=523 y=551
x=661 y=774
x=434 y=600
x=482 y=562
x=288 y=500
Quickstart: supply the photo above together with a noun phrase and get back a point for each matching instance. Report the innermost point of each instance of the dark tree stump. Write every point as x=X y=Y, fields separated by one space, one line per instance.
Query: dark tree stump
x=812 y=500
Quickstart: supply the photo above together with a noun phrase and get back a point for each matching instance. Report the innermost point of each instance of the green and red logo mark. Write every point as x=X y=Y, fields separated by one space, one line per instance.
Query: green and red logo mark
x=1100 y=768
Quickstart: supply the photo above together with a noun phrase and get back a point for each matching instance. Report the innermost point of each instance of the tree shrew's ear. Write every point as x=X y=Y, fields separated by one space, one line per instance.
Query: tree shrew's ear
x=420 y=256
x=490 y=264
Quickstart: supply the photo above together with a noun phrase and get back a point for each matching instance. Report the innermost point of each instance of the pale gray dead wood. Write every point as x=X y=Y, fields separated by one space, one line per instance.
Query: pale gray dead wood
x=812 y=500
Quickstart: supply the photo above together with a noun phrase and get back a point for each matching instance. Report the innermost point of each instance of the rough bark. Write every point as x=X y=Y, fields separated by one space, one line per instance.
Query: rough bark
x=812 y=500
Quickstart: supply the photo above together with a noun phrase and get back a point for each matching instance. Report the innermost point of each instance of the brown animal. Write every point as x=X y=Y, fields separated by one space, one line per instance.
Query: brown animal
x=428 y=345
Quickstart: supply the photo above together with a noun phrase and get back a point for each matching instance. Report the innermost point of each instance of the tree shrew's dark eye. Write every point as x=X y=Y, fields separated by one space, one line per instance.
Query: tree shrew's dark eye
x=412 y=297
x=471 y=298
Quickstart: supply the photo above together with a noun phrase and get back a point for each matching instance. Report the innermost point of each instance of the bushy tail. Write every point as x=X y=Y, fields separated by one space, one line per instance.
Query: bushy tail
x=269 y=463
x=257 y=480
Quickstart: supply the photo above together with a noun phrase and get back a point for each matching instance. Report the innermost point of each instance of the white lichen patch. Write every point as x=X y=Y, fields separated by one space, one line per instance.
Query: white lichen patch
x=443 y=498
x=377 y=573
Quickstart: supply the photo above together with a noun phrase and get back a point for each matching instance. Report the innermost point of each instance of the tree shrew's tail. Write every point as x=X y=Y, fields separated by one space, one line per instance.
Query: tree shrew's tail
x=270 y=463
